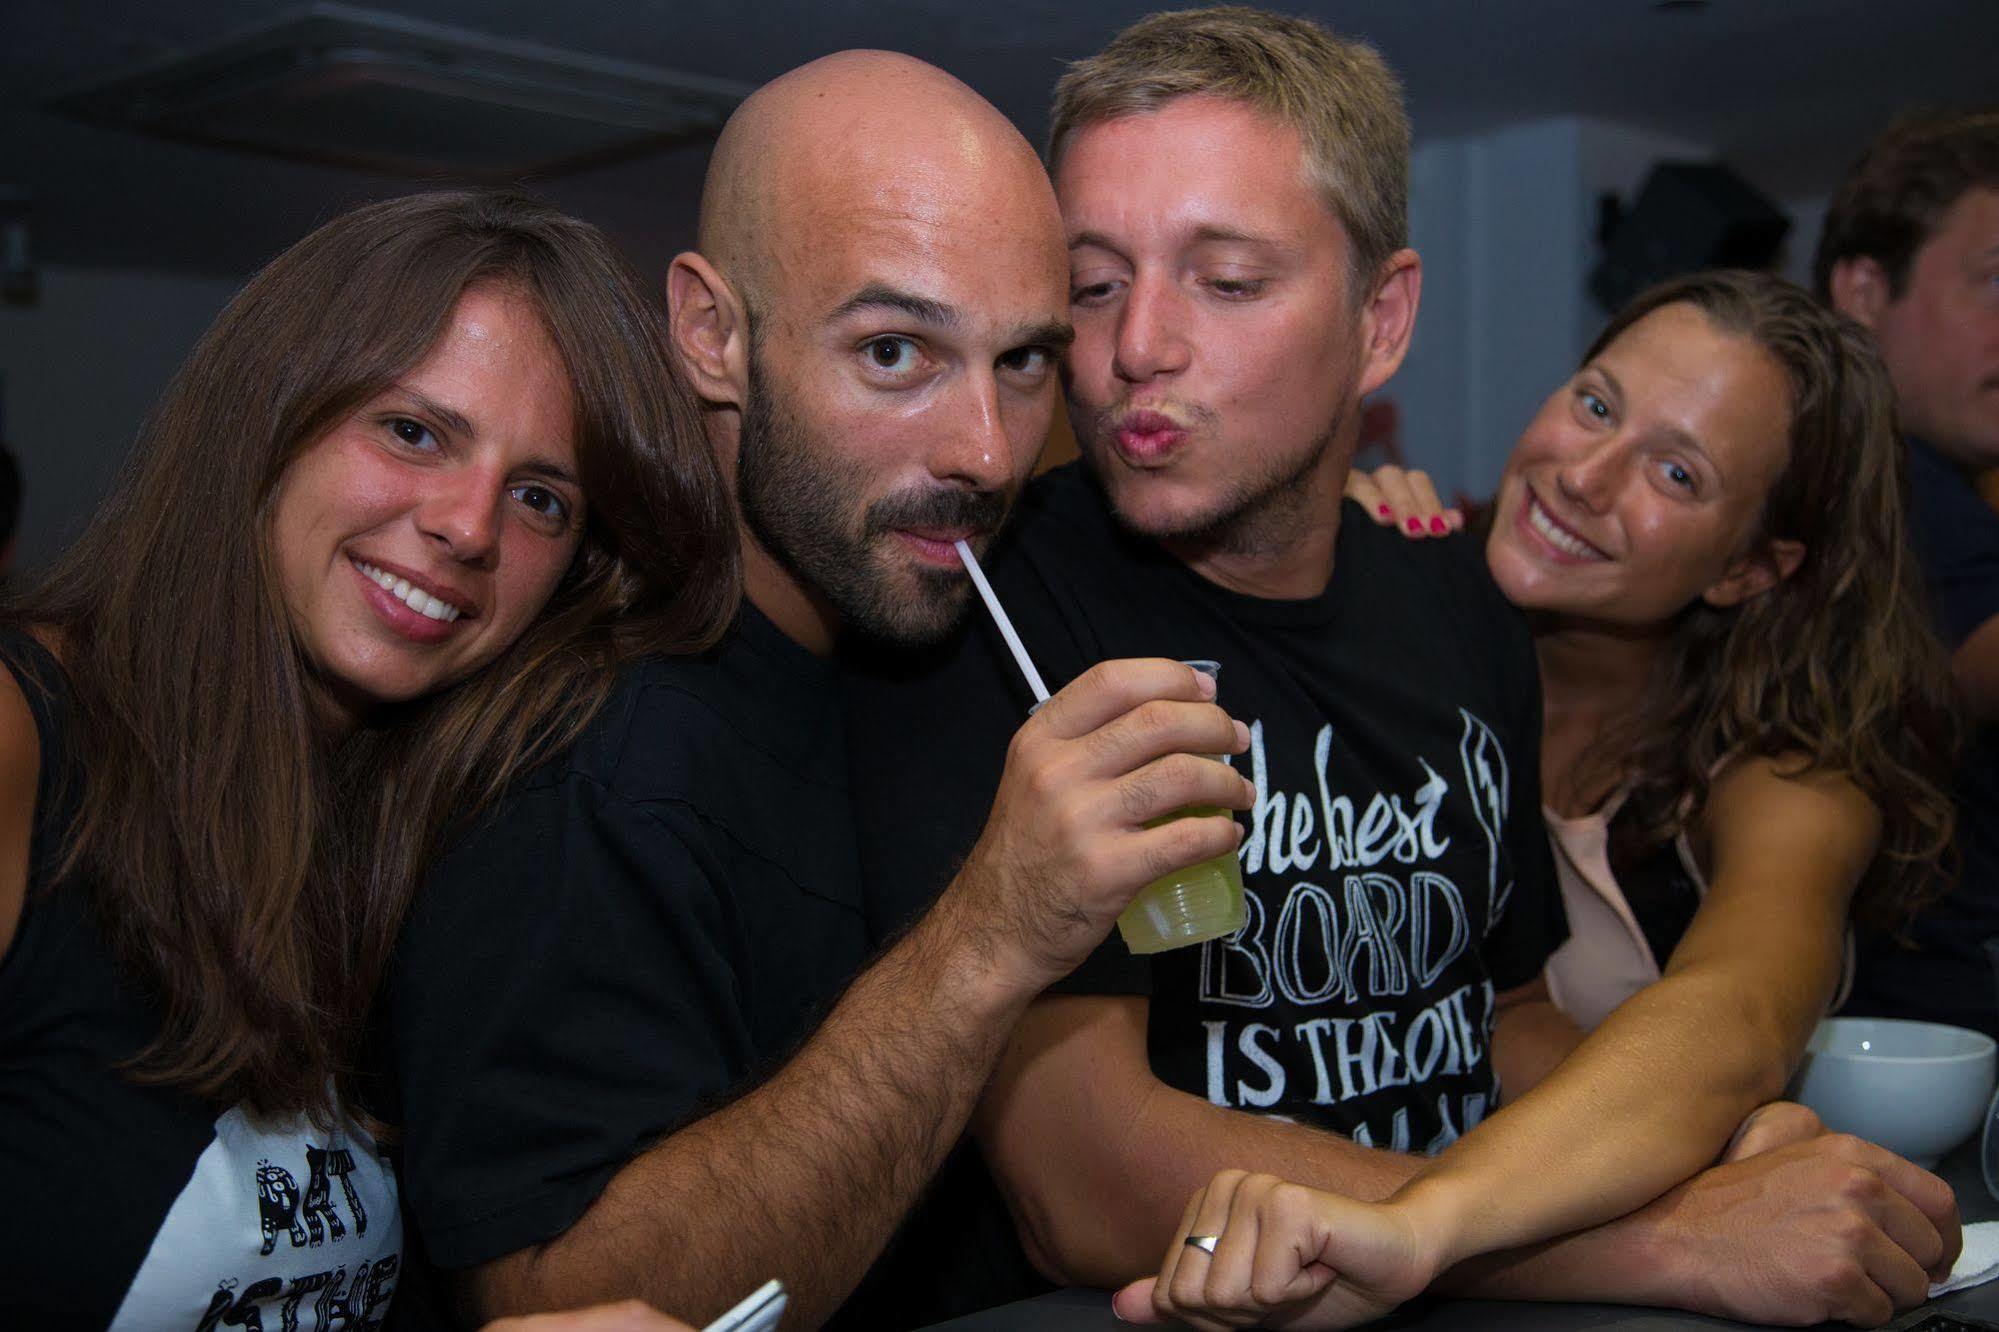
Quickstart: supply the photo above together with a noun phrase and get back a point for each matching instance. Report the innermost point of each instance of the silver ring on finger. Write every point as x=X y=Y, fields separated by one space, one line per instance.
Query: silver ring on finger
x=1205 y=1243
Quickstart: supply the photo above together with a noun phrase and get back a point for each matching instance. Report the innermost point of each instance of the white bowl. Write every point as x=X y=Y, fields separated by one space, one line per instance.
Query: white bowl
x=1916 y=1088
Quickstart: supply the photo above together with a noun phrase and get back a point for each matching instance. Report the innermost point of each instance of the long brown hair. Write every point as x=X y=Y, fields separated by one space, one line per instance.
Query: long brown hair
x=248 y=870
x=1836 y=667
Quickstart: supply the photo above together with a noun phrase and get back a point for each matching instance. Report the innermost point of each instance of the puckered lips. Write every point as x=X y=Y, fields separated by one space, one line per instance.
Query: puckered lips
x=1147 y=438
x=420 y=607
x=1559 y=541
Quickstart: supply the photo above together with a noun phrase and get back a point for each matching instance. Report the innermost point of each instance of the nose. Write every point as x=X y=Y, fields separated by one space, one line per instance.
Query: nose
x=461 y=513
x=1590 y=478
x=972 y=450
x=1150 y=338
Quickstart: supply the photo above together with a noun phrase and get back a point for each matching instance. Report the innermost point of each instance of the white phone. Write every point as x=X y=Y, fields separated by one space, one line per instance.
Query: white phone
x=758 y=1313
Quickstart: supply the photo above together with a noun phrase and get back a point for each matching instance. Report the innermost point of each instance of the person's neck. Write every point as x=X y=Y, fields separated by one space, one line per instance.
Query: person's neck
x=1964 y=458
x=335 y=713
x=1591 y=678
x=800 y=613
x=1283 y=550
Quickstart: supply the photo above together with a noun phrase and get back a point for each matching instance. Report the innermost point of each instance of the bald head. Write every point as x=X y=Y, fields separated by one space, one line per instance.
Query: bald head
x=875 y=318
x=855 y=137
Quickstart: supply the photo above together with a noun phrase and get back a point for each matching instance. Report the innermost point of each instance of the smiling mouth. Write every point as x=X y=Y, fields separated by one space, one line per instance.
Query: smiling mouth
x=412 y=596
x=1551 y=531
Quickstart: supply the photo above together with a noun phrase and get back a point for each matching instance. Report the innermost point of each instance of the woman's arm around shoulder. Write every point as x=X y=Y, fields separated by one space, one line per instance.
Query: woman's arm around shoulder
x=1785 y=848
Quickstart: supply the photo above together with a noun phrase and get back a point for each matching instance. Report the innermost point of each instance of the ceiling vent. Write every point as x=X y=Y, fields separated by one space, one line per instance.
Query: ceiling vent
x=385 y=93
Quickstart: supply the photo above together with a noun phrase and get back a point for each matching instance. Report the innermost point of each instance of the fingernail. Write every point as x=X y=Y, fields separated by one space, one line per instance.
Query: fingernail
x=1241 y=736
x=1439 y=526
x=1416 y=525
x=1384 y=510
x=1205 y=683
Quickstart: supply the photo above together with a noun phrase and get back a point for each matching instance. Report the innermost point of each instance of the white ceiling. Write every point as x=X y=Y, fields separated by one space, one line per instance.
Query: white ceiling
x=1785 y=89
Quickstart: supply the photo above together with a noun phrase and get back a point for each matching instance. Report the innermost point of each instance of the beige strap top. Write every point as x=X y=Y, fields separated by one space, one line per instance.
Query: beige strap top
x=1606 y=959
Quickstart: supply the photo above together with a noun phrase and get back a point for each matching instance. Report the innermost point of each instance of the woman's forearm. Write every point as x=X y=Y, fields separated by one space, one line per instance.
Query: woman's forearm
x=1647 y=1100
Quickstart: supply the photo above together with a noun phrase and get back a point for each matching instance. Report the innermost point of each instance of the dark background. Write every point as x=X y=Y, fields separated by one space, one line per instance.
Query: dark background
x=1525 y=111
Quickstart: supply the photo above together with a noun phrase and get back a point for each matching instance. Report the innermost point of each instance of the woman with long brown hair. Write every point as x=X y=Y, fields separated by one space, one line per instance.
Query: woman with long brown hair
x=1747 y=734
x=425 y=484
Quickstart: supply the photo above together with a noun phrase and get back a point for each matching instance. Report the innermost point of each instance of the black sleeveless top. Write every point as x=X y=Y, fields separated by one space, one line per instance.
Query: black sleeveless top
x=136 y=1207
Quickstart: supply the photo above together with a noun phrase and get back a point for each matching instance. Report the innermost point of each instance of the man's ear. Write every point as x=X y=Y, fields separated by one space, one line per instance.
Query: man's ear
x=1388 y=319
x=1773 y=560
x=709 y=330
x=1859 y=289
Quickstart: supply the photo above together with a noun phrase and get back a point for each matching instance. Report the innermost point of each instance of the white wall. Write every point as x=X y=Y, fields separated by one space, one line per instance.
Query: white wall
x=1506 y=224
x=82 y=368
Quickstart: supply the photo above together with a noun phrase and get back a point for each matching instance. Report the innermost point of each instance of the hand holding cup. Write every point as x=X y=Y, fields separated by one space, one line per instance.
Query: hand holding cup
x=1069 y=841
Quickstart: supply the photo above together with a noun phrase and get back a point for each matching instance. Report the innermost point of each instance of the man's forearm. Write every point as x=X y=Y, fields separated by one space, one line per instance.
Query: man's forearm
x=1103 y=1219
x=805 y=1177
x=1623 y=1262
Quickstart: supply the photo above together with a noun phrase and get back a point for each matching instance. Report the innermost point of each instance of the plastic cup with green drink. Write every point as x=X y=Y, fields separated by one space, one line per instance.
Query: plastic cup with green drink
x=1192 y=905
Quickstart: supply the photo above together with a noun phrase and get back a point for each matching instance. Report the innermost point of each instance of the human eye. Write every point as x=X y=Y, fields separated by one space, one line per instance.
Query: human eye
x=412 y=434
x=1590 y=405
x=1031 y=363
x=892 y=356
x=541 y=501
x=1095 y=283
x=1678 y=475
x=1236 y=288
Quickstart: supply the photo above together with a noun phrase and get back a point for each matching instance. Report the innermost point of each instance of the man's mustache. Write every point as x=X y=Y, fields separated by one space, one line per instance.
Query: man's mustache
x=1099 y=424
x=978 y=511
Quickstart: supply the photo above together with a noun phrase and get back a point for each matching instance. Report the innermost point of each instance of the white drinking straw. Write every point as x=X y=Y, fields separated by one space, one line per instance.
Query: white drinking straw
x=1005 y=625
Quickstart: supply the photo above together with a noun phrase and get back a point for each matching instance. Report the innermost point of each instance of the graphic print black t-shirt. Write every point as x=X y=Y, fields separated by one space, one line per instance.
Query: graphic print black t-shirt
x=1397 y=870
x=128 y=1207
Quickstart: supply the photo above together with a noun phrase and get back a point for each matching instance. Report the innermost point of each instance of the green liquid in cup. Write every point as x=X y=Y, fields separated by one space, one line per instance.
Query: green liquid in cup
x=1189 y=906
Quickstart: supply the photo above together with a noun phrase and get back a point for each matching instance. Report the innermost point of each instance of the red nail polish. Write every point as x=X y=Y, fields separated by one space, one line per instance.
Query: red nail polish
x=1416 y=525
x=1439 y=526
x=1384 y=511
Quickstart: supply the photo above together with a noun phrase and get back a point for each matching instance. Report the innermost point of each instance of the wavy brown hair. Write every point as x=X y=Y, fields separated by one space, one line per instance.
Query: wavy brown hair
x=1835 y=668
x=249 y=869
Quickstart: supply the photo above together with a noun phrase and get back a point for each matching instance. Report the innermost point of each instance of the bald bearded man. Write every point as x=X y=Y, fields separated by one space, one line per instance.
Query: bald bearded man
x=608 y=1025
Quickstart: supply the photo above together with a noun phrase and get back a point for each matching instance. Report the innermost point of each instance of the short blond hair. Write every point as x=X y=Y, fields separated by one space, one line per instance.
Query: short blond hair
x=1340 y=96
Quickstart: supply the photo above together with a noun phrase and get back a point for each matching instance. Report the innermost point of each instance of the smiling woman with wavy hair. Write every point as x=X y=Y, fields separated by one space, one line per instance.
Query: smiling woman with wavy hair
x=426 y=483
x=1707 y=528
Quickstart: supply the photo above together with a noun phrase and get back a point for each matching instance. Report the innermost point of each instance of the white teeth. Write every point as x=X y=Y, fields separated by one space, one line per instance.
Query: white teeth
x=1544 y=524
x=415 y=598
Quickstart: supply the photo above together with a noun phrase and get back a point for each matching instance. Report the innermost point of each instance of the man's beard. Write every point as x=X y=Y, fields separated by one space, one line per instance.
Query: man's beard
x=1259 y=514
x=800 y=498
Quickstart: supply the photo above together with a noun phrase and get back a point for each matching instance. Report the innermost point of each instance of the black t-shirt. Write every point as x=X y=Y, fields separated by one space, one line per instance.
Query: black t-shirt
x=636 y=932
x=1397 y=869
x=1947 y=976
x=136 y=1207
